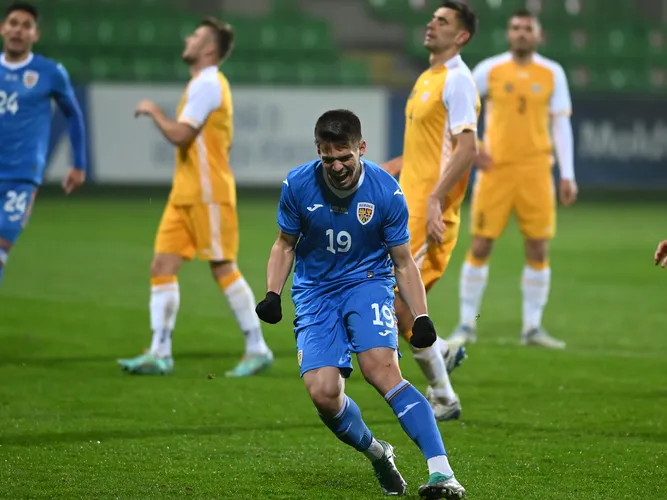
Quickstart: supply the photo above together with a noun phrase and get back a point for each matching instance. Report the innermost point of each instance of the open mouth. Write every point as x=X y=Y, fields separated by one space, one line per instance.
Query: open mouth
x=339 y=177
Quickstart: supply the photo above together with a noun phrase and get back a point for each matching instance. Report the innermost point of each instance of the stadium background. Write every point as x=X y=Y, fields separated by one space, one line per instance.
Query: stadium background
x=586 y=423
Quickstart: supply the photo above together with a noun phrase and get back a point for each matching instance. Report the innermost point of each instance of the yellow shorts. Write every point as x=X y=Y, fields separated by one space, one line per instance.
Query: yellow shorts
x=209 y=231
x=432 y=260
x=529 y=191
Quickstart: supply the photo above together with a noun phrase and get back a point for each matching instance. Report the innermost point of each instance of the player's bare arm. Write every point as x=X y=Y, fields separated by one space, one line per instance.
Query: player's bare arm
x=394 y=166
x=179 y=134
x=460 y=163
x=409 y=281
x=660 y=257
x=281 y=261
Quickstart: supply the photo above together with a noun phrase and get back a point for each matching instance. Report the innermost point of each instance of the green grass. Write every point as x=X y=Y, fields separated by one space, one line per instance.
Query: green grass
x=586 y=423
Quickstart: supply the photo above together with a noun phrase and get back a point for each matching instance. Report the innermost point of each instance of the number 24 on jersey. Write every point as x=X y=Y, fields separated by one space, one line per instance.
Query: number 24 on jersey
x=9 y=103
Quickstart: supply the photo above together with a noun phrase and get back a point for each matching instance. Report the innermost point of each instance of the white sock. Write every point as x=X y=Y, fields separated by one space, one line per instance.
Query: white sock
x=242 y=302
x=433 y=366
x=439 y=464
x=375 y=451
x=471 y=289
x=164 y=303
x=442 y=346
x=535 y=287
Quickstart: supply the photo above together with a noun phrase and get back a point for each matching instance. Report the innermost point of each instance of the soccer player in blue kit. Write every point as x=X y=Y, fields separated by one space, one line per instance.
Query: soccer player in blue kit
x=345 y=220
x=28 y=82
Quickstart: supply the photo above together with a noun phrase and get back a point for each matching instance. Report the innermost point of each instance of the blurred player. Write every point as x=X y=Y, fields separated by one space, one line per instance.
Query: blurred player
x=439 y=147
x=345 y=220
x=524 y=92
x=28 y=82
x=200 y=218
x=660 y=257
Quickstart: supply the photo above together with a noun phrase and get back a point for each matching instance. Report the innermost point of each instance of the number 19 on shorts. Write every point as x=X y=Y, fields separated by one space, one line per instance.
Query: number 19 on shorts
x=384 y=316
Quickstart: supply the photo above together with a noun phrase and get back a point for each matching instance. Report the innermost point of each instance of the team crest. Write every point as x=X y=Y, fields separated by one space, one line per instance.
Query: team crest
x=509 y=87
x=365 y=212
x=30 y=78
x=299 y=357
x=537 y=88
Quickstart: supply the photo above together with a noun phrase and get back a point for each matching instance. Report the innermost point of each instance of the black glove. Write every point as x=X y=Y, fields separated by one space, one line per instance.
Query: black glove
x=269 y=310
x=423 y=333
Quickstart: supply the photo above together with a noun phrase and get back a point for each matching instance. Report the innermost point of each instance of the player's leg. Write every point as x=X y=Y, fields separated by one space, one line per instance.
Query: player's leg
x=536 y=212
x=433 y=360
x=436 y=361
x=16 y=201
x=324 y=360
x=217 y=240
x=373 y=336
x=173 y=244
x=492 y=202
x=5 y=247
x=257 y=357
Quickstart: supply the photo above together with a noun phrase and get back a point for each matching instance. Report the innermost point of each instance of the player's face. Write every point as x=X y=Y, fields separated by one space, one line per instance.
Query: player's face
x=196 y=44
x=19 y=32
x=342 y=163
x=443 y=31
x=523 y=34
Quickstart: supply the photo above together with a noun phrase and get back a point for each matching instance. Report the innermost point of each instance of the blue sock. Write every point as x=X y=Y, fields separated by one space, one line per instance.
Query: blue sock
x=416 y=417
x=348 y=426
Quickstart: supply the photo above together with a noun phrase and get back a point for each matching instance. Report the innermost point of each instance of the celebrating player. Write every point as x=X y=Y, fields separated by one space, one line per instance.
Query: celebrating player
x=524 y=92
x=200 y=217
x=660 y=257
x=28 y=82
x=439 y=147
x=345 y=220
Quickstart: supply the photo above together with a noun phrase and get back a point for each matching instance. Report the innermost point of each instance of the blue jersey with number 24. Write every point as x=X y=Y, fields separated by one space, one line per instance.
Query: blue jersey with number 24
x=344 y=235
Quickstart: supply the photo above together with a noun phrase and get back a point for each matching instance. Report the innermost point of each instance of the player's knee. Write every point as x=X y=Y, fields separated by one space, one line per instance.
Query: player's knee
x=380 y=369
x=481 y=249
x=224 y=270
x=165 y=264
x=404 y=318
x=325 y=388
x=537 y=252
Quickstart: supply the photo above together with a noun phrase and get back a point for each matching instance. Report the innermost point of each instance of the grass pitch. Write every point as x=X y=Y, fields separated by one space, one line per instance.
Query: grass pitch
x=586 y=423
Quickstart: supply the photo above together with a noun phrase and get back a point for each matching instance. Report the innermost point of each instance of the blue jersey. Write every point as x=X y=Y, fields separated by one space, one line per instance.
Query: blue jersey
x=344 y=235
x=26 y=91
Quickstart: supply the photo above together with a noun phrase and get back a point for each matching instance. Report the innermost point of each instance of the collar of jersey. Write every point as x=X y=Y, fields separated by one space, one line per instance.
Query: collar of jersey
x=15 y=66
x=449 y=64
x=205 y=70
x=345 y=193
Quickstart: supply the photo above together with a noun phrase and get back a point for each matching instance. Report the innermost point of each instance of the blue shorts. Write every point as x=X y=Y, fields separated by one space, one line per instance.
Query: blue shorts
x=16 y=200
x=330 y=327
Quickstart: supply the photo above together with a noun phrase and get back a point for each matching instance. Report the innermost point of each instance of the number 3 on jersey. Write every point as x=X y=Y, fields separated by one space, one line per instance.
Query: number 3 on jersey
x=9 y=103
x=343 y=241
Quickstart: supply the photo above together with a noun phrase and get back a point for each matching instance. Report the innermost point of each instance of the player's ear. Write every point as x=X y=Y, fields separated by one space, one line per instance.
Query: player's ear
x=362 y=148
x=38 y=34
x=462 y=38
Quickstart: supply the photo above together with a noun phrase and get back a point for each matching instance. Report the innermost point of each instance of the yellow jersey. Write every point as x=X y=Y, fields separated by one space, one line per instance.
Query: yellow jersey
x=443 y=103
x=520 y=102
x=203 y=173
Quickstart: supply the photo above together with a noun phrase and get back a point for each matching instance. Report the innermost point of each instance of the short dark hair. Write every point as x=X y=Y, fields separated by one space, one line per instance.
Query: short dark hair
x=467 y=18
x=523 y=13
x=338 y=126
x=22 y=6
x=224 y=35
